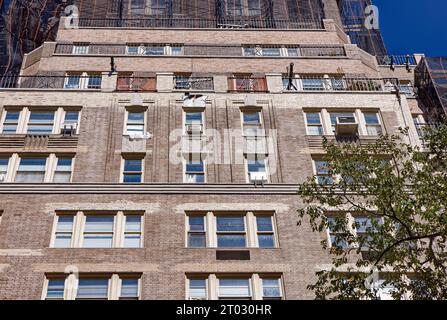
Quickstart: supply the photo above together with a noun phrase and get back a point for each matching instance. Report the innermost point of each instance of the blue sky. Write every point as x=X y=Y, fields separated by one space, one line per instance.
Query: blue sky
x=414 y=26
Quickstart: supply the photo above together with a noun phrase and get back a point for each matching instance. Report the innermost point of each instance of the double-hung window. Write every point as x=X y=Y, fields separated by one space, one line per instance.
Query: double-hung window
x=194 y=169
x=135 y=123
x=41 y=122
x=265 y=231
x=314 y=125
x=130 y=289
x=133 y=171
x=198 y=289
x=196 y=231
x=336 y=241
x=252 y=123
x=93 y=289
x=4 y=162
x=31 y=170
x=322 y=173
x=372 y=122
x=271 y=289
x=63 y=236
x=194 y=122
x=55 y=289
x=132 y=231
x=364 y=226
x=231 y=231
x=98 y=231
x=63 y=171
x=11 y=122
x=234 y=289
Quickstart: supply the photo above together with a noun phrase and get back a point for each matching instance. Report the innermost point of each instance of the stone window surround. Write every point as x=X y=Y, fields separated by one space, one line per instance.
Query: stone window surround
x=251 y=230
x=25 y=113
x=255 y=282
x=50 y=167
x=79 y=225
x=71 y=280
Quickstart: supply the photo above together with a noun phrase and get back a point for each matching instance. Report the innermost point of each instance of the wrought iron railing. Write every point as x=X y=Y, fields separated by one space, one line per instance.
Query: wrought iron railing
x=193 y=83
x=308 y=83
x=397 y=60
x=247 y=84
x=323 y=51
x=131 y=83
x=51 y=82
x=243 y=23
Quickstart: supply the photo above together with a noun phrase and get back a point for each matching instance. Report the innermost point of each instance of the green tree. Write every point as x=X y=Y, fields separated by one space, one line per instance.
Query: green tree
x=384 y=205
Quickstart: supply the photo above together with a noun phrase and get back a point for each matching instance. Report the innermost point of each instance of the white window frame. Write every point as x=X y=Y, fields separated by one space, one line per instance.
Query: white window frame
x=314 y=125
x=126 y=120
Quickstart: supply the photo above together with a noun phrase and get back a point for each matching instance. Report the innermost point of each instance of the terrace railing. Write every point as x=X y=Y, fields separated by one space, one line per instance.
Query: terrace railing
x=247 y=84
x=193 y=83
x=131 y=83
x=244 y=23
x=51 y=82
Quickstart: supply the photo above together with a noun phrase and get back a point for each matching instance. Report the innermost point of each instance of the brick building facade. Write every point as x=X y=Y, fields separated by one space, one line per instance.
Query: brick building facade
x=171 y=170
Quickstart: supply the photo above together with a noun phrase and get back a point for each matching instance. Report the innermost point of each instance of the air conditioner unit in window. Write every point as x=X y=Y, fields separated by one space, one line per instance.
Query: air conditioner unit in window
x=258 y=177
x=346 y=126
x=69 y=128
x=2 y=177
x=194 y=128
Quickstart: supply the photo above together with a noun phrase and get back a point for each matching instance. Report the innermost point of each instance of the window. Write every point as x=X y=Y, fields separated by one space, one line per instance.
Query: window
x=237 y=287
x=94 y=81
x=312 y=84
x=155 y=51
x=322 y=173
x=83 y=80
x=55 y=289
x=93 y=289
x=71 y=119
x=197 y=289
x=373 y=126
x=257 y=167
x=334 y=235
x=363 y=226
x=176 y=50
x=73 y=81
x=194 y=122
x=41 y=122
x=334 y=117
x=293 y=51
x=3 y=168
x=194 y=169
x=271 y=52
x=313 y=122
x=129 y=289
x=64 y=231
x=11 y=122
x=271 y=289
x=135 y=123
x=231 y=231
x=133 y=49
x=80 y=49
x=62 y=174
x=133 y=171
x=31 y=170
x=251 y=124
x=196 y=232
x=98 y=231
x=254 y=8
x=234 y=289
x=265 y=232
x=132 y=231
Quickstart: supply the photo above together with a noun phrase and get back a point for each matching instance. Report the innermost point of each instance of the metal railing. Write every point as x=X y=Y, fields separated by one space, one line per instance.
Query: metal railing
x=247 y=84
x=243 y=23
x=329 y=51
x=51 y=82
x=307 y=83
x=130 y=83
x=193 y=83
x=397 y=60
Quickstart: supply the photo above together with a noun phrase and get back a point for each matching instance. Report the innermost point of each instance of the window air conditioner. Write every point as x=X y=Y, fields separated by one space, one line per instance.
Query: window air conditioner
x=346 y=126
x=258 y=177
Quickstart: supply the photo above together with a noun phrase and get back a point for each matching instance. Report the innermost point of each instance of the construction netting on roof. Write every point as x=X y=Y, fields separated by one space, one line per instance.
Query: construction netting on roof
x=354 y=14
x=431 y=81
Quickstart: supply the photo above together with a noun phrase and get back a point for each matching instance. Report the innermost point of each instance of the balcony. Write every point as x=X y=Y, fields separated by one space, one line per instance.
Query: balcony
x=70 y=82
x=322 y=83
x=193 y=83
x=197 y=23
x=247 y=84
x=136 y=84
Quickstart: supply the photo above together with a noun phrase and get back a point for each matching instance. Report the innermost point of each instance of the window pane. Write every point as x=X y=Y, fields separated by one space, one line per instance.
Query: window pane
x=135 y=117
x=65 y=223
x=266 y=241
x=196 y=240
x=98 y=241
x=252 y=118
x=135 y=129
x=196 y=223
x=3 y=168
x=99 y=224
x=12 y=116
x=133 y=165
x=133 y=223
x=193 y=117
x=41 y=123
x=315 y=130
x=371 y=118
x=322 y=167
x=313 y=118
x=271 y=288
x=234 y=288
x=129 y=288
x=264 y=223
x=256 y=165
x=93 y=289
x=194 y=166
x=31 y=170
x=132 y=241
x=71 y=117
x=55 y=289
x=197 y=289
x=231 y=241
x=132 y=178
x=230 y=223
